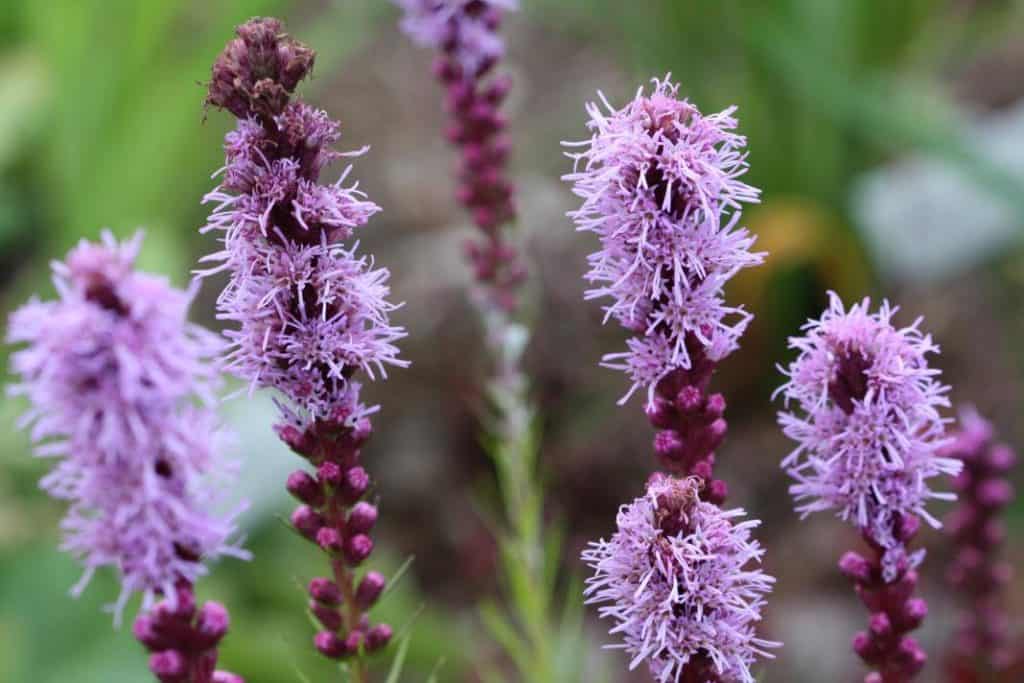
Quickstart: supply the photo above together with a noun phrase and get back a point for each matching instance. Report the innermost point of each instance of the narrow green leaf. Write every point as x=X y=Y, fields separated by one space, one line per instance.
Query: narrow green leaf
x=399 y=662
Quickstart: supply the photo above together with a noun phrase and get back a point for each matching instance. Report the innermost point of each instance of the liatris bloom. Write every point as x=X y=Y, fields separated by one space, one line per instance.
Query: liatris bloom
x=111 y=369
x=864 y=413
x=465 y=32
x=981 y=649
x=862 y=405
x=309 y=312
x=679 y=579
x=661 y=188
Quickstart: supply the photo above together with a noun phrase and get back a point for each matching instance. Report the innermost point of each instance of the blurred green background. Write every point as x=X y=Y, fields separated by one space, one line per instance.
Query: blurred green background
x=888 y=138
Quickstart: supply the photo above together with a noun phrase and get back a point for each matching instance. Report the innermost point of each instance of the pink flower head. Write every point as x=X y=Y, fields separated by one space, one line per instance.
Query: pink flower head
x=309 y=311
x=863 y=406
x=661 y=188
x=111 y=370
x=309 y=316
x=676 y=577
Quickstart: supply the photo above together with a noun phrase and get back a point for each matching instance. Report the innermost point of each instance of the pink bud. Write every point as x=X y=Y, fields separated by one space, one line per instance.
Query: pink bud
x=330 y=645
x=358 y=548
x=855 y=567
x=328 y=538
x=329 y=473
x=361 y=518
x=369 y=589
x=307 y=521
x=325 y=591
x=304 y=488
x=354 y=484
x=329 y=617
x=212 y=624
x=378 y=637
x=169 y=666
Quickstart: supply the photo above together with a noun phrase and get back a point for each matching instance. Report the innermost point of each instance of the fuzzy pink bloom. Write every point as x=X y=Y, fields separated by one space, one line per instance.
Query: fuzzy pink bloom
x=308 y=310
x=112 y=369
x=680 y=581
x=661 y=188
x=863 y=404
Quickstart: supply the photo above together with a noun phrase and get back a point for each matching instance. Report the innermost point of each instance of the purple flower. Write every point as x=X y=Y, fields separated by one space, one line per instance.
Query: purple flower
x=112 y=369
x=677 y=578
x=309 y=311
x=863 y=406
x=467 y=28
x=661 y=188
x=978 y=573
x=465 y=35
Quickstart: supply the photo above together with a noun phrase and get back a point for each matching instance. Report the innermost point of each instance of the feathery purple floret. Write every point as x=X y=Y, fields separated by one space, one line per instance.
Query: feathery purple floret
x=863 y=406
x=112 y=369
x=677 y=578
x=661 y=188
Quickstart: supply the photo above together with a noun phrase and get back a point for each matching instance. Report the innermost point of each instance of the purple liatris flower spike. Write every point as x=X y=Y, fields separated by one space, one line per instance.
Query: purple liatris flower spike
x=465 y=35
x=661 y=188
x=982 y=649
x=680 y=581
x=308 y=313
x=112 y=369
x=863 y=404
x=309 y=310
x=465 y=28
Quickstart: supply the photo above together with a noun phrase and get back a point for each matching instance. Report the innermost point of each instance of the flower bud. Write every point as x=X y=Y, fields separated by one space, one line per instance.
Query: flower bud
x=329 y=617
x=307 y=521
x=855 y=567
x=995 y=493
x=378 y=637
x=669 y=445
x=354 y=484
x=169 y=666
x=328 y=538
x=358 y=548
x=329 y=473
x=913 y=655
x=369 y=589
x=330 y=645
x=863 y=646
x=325 y=591
x=361 y=518
x=212 y=624
x=715 y=406
x=305 y=488
x=914 y=612
x=880 y=625
x=689 y=399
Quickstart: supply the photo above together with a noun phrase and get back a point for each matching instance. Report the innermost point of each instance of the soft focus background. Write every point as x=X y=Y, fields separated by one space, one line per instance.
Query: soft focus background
x=888 y=138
